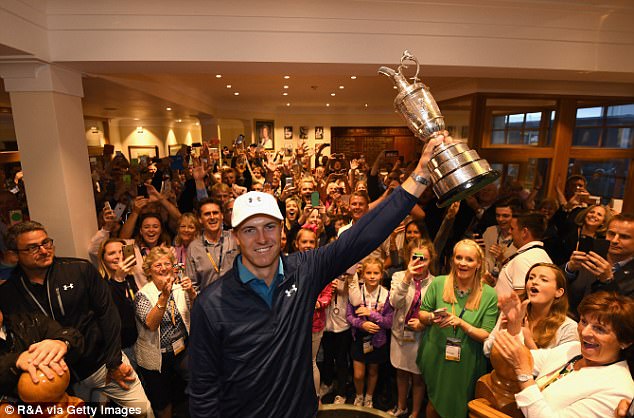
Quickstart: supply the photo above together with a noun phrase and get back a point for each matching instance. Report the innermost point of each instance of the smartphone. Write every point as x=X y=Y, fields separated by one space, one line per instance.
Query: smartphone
x=128 y=250
x=314 y=199
x=601 y=247
x=288 y=182
x=142 y=191
x=441 y=312
x=585 y=244
x=119 y=209
x=15 y=216
x=417 y=255
x=127 y=179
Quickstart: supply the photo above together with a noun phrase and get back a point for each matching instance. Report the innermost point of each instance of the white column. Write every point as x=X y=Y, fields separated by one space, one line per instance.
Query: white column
x=48 y=119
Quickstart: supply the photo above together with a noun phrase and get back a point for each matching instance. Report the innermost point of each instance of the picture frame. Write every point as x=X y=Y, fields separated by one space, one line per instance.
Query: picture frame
x=136 y=151
x=319 y=132
x=264 y=133
x=303 y=132
x=288 y=132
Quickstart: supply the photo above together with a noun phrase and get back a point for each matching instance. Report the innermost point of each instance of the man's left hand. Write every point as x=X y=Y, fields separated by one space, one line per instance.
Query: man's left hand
x=121 y=375
x=47 y=351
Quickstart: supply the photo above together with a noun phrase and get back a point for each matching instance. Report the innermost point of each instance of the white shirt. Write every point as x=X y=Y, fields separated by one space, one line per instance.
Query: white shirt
x=513 y=274
x=492 y=236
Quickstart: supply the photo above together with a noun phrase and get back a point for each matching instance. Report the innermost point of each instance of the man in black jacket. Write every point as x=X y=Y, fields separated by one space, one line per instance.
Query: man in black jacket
x=71 y=292
x=31 y=341
x=250 y=340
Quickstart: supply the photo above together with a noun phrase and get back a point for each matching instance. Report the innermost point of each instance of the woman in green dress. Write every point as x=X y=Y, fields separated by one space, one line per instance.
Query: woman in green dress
x=462 y=311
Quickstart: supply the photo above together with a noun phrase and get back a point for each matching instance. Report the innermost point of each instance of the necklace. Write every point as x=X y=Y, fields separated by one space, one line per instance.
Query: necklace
x=461 y=293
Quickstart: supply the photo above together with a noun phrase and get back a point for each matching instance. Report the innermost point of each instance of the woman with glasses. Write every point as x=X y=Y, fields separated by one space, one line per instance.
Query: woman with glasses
x=406 y=294
x=162 y=314
x=460 y=311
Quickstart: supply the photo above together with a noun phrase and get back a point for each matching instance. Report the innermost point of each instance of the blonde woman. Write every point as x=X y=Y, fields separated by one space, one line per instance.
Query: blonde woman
x=459 y=311
x=162 y=314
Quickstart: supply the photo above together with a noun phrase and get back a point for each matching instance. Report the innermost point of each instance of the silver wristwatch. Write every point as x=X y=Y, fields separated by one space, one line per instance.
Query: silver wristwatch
x=420 y=179
x=524 y=377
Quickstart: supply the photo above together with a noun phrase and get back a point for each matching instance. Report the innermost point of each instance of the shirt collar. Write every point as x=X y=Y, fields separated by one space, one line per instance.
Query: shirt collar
x=246 y=275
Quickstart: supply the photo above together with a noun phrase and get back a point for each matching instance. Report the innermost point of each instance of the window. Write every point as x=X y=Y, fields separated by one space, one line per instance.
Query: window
x=531 y=128
x=606 y=179
x=605 y=127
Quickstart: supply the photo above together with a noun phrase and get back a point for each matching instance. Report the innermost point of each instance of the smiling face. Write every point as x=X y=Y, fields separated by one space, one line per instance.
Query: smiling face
x=306 y=240
x=186 y=231
x=595 y=217
x=291 y=210
x=259 y=239
x=112 y=256
x=503 y=217
x=542 y=287
x=599 y=343
x=466 y=261
x=211 y=218
x=161 y=270
x=412 y=232
x=358 y=207
x=372 y=275
x=150 y=231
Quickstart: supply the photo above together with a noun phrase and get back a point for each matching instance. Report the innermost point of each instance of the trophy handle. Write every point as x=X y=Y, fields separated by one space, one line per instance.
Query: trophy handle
x=408 y=56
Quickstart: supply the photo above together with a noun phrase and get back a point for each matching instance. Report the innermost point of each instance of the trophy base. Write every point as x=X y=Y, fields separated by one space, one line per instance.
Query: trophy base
x=467 y=188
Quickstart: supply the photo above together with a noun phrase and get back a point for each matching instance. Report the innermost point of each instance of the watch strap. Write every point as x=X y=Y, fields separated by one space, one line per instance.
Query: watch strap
x=524 y=377
x=420 y=179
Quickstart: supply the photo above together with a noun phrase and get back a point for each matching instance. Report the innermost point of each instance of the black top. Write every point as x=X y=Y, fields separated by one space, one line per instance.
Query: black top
x=123 y=297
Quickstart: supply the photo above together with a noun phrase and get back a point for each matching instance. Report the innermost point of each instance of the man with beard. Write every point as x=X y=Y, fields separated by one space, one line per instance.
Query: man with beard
x=211 y=255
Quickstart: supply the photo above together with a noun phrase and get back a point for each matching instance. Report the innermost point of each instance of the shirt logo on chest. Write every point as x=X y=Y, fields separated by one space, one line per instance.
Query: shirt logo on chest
x=290 y=291
x=69 y=286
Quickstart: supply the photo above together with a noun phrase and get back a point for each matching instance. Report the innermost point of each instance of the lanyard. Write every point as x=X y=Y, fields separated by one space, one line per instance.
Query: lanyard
x=129 y=289
x=218 y=266
x=376 y=306
x=453 y=312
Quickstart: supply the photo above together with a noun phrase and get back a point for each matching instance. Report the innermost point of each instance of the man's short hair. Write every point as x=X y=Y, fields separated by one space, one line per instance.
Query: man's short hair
x=363 y=194
x=534 y=222
x=19 y=229
x=207 y=201
x=622 y=217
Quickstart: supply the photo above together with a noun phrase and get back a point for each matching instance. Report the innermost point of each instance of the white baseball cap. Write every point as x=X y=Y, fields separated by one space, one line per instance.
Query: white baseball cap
x=254 y=203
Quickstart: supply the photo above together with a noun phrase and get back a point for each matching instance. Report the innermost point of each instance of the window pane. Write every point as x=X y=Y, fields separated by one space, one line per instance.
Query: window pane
x=621 y=115
x=531 y=137
x=589 y=116
x=516 y=121
x=533 y=119
x=497 y=137
x=515 y=137
x=619 y=137
x=499 y=122
x=586 y=137
x=606 y=179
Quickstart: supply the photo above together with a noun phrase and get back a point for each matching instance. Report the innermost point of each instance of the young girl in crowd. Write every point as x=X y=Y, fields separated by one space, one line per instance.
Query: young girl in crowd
x=544 y=309
x=369 y=323
x=307 y=240
x=406 y=294
x=460 y=311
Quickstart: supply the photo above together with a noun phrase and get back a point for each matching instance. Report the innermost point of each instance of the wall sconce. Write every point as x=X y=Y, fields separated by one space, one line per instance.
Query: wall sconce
x=139 y=129
x=94 y=130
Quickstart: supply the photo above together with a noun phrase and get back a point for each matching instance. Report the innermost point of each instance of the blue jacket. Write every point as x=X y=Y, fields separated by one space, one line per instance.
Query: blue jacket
x=249 y=360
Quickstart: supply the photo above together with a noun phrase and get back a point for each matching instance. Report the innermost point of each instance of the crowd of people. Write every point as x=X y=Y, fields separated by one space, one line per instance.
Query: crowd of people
x=208 y=271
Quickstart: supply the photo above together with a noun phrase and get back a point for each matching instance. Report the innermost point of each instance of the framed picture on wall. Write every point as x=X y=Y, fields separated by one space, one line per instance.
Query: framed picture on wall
x=288 y=132
x=264 y=130
x=303 y=132
x=136 y=151
x=319 y=132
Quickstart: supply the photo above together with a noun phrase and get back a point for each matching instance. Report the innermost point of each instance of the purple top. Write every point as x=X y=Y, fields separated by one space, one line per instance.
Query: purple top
x=382 y=318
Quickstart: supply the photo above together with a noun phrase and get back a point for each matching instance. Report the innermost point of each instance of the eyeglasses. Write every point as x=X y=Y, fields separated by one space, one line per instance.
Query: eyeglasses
x=160 y=266
x=33 y=249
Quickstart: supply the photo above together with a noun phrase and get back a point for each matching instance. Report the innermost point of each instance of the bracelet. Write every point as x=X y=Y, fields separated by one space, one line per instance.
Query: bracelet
x=158 y=305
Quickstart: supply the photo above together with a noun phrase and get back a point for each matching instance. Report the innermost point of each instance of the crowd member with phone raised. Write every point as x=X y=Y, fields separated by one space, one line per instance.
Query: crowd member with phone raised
x=589 y=272
x=589 y=223
x=407 y=291
x=116 y=259
x=162 y=316
x=460 y=311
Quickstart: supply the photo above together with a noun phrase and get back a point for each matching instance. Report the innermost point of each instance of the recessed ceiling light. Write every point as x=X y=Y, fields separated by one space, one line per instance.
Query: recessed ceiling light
x=197 y=123
x=218 y=75
x=285 y=94
x=341 y=87
x=333 y=94
x=327 y=104
x=394 y=87
x=353 y=77
x=285 y=87
x=136 y=118
x=286 y=77
x=236 y=93
x=179 y=120
x=288 y=104
x=168 y=108
x=228 y=86
x=366 y=105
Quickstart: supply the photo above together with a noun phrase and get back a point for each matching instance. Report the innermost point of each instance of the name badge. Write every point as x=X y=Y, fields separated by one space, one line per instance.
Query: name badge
x=178 y=346
x=409 y=336
x=367 y=344
x=452 y=349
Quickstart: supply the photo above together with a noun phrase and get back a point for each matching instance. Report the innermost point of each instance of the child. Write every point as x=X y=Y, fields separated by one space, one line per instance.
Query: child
x=369 y=322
